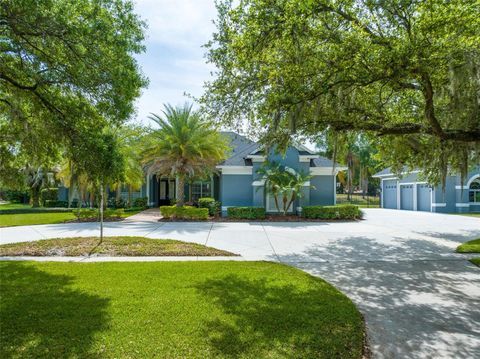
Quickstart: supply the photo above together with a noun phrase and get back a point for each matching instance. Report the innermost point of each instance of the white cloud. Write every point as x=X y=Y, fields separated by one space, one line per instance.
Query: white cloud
x=174 y=60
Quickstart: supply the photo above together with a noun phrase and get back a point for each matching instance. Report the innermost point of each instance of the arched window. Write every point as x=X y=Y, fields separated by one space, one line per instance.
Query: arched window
x=474 y=191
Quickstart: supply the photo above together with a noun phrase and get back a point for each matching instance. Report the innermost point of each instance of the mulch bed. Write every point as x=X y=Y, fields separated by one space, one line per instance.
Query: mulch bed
x=269 y=218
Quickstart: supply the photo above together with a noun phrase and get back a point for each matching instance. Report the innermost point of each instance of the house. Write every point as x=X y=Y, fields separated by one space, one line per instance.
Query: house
x=409 y=192
x=237 y=183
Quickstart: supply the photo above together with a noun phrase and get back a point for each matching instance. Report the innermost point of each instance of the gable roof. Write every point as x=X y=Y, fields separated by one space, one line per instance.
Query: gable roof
x=387 y=172
x=242 y=147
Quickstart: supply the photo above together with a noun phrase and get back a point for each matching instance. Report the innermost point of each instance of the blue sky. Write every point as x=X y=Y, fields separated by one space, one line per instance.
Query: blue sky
x=174 y=59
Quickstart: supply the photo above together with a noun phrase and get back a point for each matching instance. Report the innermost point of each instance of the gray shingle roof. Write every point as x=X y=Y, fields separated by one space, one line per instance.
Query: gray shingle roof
x=241 y=147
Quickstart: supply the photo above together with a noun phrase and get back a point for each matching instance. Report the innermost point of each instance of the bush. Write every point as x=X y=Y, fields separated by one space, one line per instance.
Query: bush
x=213 y=206
x=93 y=213
x=116 y=203
x=185 y=212
x=246 y=212
x=347 y=211
x=15 y=196
x=55 y=204
x=48 y=194
x=141 y=202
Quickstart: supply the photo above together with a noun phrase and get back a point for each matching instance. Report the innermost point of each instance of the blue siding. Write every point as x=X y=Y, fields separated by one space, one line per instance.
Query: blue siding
x=324 y=192
x=236 y=190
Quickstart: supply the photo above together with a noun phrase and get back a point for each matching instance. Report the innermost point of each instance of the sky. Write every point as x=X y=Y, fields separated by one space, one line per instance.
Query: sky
x=174 y=60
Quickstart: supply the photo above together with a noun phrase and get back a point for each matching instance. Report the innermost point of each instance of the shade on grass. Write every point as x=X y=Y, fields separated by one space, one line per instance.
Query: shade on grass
x=469 y=247
x=173 y=310
x=110 y=246
x=475 y=261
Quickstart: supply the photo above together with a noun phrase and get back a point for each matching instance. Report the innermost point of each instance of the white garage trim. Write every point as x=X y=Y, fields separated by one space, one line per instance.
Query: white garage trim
x=439 y=205
x=462 y=204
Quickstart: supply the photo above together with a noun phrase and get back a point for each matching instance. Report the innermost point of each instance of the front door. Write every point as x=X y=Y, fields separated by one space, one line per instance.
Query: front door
x=166 y=192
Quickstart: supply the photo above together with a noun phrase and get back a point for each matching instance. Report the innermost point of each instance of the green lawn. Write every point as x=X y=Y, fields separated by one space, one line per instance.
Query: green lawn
x=173 y=310
x=472 y=246
x=474 y=214
x=475 y=261
x=24 y=219
x=13 y=206
x=111 y=246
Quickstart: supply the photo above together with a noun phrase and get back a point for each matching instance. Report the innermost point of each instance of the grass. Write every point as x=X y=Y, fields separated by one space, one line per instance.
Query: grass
x=173 y=310
x=366 y=202
x=13 y=206
x=25 y=219
x=472 y=214
x=476 y=261
x=111 y=246
x=472 y=246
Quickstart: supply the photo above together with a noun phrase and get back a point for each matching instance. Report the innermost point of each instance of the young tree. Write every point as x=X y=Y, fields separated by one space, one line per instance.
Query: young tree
x=405 y=71
x=284 y=183
x=184 y=146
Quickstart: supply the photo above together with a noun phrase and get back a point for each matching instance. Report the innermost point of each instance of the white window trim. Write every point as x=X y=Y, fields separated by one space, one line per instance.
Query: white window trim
x=439 y=205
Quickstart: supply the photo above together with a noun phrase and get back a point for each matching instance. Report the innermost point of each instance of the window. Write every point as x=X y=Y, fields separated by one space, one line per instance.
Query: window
x=201 y=189
x=474 y=191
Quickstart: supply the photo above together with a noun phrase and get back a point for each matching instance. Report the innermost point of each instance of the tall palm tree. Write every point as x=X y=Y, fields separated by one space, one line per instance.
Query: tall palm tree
x=184 y=146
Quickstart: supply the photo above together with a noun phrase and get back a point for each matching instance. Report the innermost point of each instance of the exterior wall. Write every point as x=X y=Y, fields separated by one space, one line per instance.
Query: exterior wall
x=389 y=194
x=236 y=190
x=324 y=192
x=444 y=201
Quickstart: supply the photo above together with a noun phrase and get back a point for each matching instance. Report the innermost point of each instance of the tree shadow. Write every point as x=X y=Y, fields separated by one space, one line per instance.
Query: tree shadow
x=267 y=319
x=42 y=315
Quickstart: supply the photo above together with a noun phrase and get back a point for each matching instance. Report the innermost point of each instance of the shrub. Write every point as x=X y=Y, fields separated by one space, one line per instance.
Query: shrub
x=93 y=213
x=86 y=213
x=141 y=202
x=246 y=212
x=15 y=196
x=347 y=211
x=55 y=204
x=212 y=205
x=48 y=194
x=113 y=213
x=185 y=212
x=116 y=203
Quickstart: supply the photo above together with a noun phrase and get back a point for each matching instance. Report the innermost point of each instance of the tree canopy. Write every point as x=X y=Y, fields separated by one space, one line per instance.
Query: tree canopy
x=67 y=70
x=406 y=71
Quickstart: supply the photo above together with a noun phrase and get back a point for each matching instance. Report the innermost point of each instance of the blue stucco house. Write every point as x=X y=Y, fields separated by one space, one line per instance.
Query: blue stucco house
x=409 y=192
x=237 y=183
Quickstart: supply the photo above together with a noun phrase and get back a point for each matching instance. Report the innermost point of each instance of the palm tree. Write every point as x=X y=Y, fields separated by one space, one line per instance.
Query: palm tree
x=184 y=146
x=37 y=178
x=283 y=182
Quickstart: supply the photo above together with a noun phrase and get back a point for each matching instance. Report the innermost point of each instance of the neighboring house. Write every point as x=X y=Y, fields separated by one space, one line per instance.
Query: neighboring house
x=237 y=183
x=410 y=192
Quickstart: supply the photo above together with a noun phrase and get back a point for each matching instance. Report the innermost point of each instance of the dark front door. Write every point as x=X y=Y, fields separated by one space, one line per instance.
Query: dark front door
x=166 y=192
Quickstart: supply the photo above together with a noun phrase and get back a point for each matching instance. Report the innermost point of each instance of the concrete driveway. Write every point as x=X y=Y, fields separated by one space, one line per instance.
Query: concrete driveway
x=419 y=298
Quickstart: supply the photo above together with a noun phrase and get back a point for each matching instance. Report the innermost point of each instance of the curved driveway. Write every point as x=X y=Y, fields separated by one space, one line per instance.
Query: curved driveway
x=419 y=298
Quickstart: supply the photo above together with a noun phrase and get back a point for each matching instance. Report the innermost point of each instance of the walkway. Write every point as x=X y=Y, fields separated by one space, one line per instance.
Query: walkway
x=419 y=298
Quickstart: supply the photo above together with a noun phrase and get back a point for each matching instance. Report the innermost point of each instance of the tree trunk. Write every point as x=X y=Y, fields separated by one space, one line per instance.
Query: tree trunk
x=118 y=193
x=285 y=200
x=129 y=196
x=276 y=202
x=35 y=194
x=294 y=196
x=101 y=212
x=92 y=199
x=180 y=191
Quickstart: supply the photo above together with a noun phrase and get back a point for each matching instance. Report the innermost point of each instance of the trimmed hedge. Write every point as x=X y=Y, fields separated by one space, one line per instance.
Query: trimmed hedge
x=246 y=212
x=185 y=212
x=55 y=204
x=213 y=206
x=49 y=194
x=141 y=202
x=347 y=211
x=34 y=210
x=93 y=213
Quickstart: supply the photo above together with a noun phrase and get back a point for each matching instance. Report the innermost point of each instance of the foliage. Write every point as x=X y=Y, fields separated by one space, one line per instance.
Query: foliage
x=37 y=178
x=246 y=212
x=214 y=206
x=48 y=194
x=67 y=71
x=111 y=246
x=55 y=203
x=407 y=72
x=15 y=196
x=141 y=202
x=347 y=211
x=193 y=309
x=185 y=146
x=116 y=203
x=184 y=212
x=283 y=182
x=92 y=213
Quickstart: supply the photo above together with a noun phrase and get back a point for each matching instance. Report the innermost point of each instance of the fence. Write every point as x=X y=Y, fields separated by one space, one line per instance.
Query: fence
x=358 y=199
